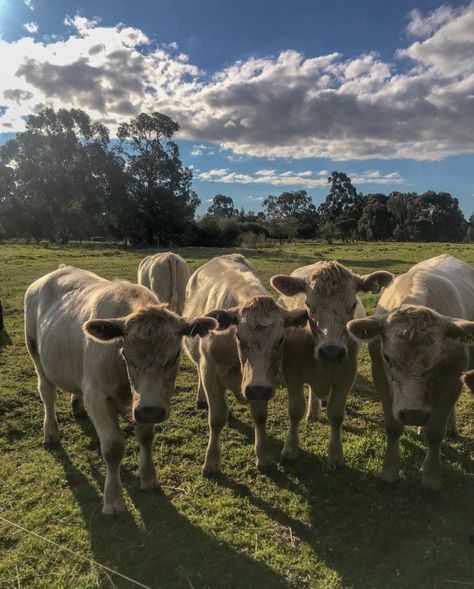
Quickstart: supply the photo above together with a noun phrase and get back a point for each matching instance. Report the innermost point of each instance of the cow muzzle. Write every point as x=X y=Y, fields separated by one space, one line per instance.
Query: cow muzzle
x=258 y=393
x=150 y=414
x=413 y=416
x=332 y=353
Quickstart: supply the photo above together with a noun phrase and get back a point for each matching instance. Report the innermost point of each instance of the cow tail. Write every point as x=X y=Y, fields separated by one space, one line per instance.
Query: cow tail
x=174 y=284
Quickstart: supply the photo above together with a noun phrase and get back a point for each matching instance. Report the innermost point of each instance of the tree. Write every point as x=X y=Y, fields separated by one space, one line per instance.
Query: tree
x=375 y=222
x=342 y=208
x=470 y=229
x=158 y=183
x=56 y=166
x=291 y=214
x=222 y=206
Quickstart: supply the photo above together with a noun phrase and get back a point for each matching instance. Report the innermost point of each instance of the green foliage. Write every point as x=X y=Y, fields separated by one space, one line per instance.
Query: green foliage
x=222 y=206
x=291 y=214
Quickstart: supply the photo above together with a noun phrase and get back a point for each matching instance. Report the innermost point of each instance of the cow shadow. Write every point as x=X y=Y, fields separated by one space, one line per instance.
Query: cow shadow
x=156 y=545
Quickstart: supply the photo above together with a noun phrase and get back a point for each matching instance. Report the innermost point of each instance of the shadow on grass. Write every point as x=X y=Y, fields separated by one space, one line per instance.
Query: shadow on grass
x=165 y=550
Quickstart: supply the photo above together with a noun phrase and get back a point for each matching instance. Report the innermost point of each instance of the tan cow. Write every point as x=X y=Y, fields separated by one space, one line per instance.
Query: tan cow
x=245 y=356
x=166 y=274
x=322 y=355
x=468 y=380
x=111 y=345
x=418 y=354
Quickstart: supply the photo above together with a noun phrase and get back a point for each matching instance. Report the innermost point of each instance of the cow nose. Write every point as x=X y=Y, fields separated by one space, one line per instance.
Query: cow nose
x=413 y=416
x=332 y=353
x=150 y=414
x=258 y=393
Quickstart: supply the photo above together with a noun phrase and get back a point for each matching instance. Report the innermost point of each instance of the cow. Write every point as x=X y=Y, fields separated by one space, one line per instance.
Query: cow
x=244 y=355
x=166 y=274
x=468 y=380
x=115 y=349
x=418 y=353
x=322 y=355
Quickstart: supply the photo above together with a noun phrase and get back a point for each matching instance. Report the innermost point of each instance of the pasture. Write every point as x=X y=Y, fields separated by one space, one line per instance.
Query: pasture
x=304 y=526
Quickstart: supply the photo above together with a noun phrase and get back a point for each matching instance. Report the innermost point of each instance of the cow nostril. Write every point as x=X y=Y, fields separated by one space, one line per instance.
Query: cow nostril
x=332 y=353
x=150 y=414
x=413 y=416
x=258 y=393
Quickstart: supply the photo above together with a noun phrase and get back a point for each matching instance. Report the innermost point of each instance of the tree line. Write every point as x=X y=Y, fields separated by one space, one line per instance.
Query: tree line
x=63 y=179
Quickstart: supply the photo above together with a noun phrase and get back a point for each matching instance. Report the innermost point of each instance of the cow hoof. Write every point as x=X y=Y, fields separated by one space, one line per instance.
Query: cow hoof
x=149 y=485
x=114 y=508
x=51 y=444
x=267 y=468
x=287 y=460
x=202 y=405
x=431 y=485
x=211 y=472
x=336 y=463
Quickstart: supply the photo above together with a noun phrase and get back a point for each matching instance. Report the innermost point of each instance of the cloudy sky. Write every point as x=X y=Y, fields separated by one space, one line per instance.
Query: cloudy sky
x=270 y=94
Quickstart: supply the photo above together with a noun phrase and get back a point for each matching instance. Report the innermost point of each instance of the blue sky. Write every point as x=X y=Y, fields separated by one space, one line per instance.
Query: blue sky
x=270 y=95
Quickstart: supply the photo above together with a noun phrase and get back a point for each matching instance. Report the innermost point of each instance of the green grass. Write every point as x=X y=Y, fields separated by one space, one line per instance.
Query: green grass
x=305 y=526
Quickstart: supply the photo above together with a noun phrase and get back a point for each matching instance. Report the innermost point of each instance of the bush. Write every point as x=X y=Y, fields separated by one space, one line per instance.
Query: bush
x=254 y=240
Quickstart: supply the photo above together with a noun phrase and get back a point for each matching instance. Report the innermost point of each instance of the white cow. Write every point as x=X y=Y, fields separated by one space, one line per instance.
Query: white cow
x=323 y=355
x=245 y=356
x=167 y=275
x=111 y=345
x=419 y=353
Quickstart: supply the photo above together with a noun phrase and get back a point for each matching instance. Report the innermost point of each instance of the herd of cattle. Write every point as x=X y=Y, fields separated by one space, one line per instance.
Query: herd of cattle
x=116 y=346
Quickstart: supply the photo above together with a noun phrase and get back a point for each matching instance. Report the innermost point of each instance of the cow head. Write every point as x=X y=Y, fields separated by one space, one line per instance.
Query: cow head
x=150 y=347
x=260 y=331
x=331 y=299
x=415 y=347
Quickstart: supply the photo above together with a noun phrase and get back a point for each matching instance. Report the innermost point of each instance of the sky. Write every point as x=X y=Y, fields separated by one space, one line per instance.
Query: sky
x=271 y=95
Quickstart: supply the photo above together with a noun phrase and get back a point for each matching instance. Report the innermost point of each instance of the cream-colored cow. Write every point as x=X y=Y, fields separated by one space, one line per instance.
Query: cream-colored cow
x=245 y=356
x=418 y=354
x=322 y=355
x=113 y=347
x=167 y=275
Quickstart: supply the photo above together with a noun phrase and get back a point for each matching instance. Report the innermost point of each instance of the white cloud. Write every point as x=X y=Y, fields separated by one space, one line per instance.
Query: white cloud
x=31 y=27
x=297 y=179
x=288 y=106
x=420 y=25
x=29 y=4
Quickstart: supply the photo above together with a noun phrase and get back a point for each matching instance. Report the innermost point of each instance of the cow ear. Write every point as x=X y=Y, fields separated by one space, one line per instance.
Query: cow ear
x=288 y=285
x=225 y=317
x=200 y=327
x=365 y=329
x=104 y=330
x=468 y=380
x=295 y=317
x=461 y=330
x=374 y=281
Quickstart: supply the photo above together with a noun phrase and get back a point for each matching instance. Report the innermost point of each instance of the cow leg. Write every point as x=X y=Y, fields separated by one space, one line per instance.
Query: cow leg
x=296 y=409
x=259 y=411
x=104 y=416
x=217 y=418
x=393 y=428
x=335 y=410
x=452 y=431
x=48 y=393
x=77 y=406
x=145 y=433
x=435 y=431
x=201 y=401
x=314 y=406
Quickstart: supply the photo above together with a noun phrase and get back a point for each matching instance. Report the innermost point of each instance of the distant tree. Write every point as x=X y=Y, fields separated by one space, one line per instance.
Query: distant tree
x=342 y=208
x=470 y=229
x=375 y=222
x=222 y=206
x=404 y=207
x=441 y=217
x=56 y=165
x=291 y=214
x=158 y=183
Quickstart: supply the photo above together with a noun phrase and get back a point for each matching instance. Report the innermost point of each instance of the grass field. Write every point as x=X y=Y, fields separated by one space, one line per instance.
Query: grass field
x=305 y=526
